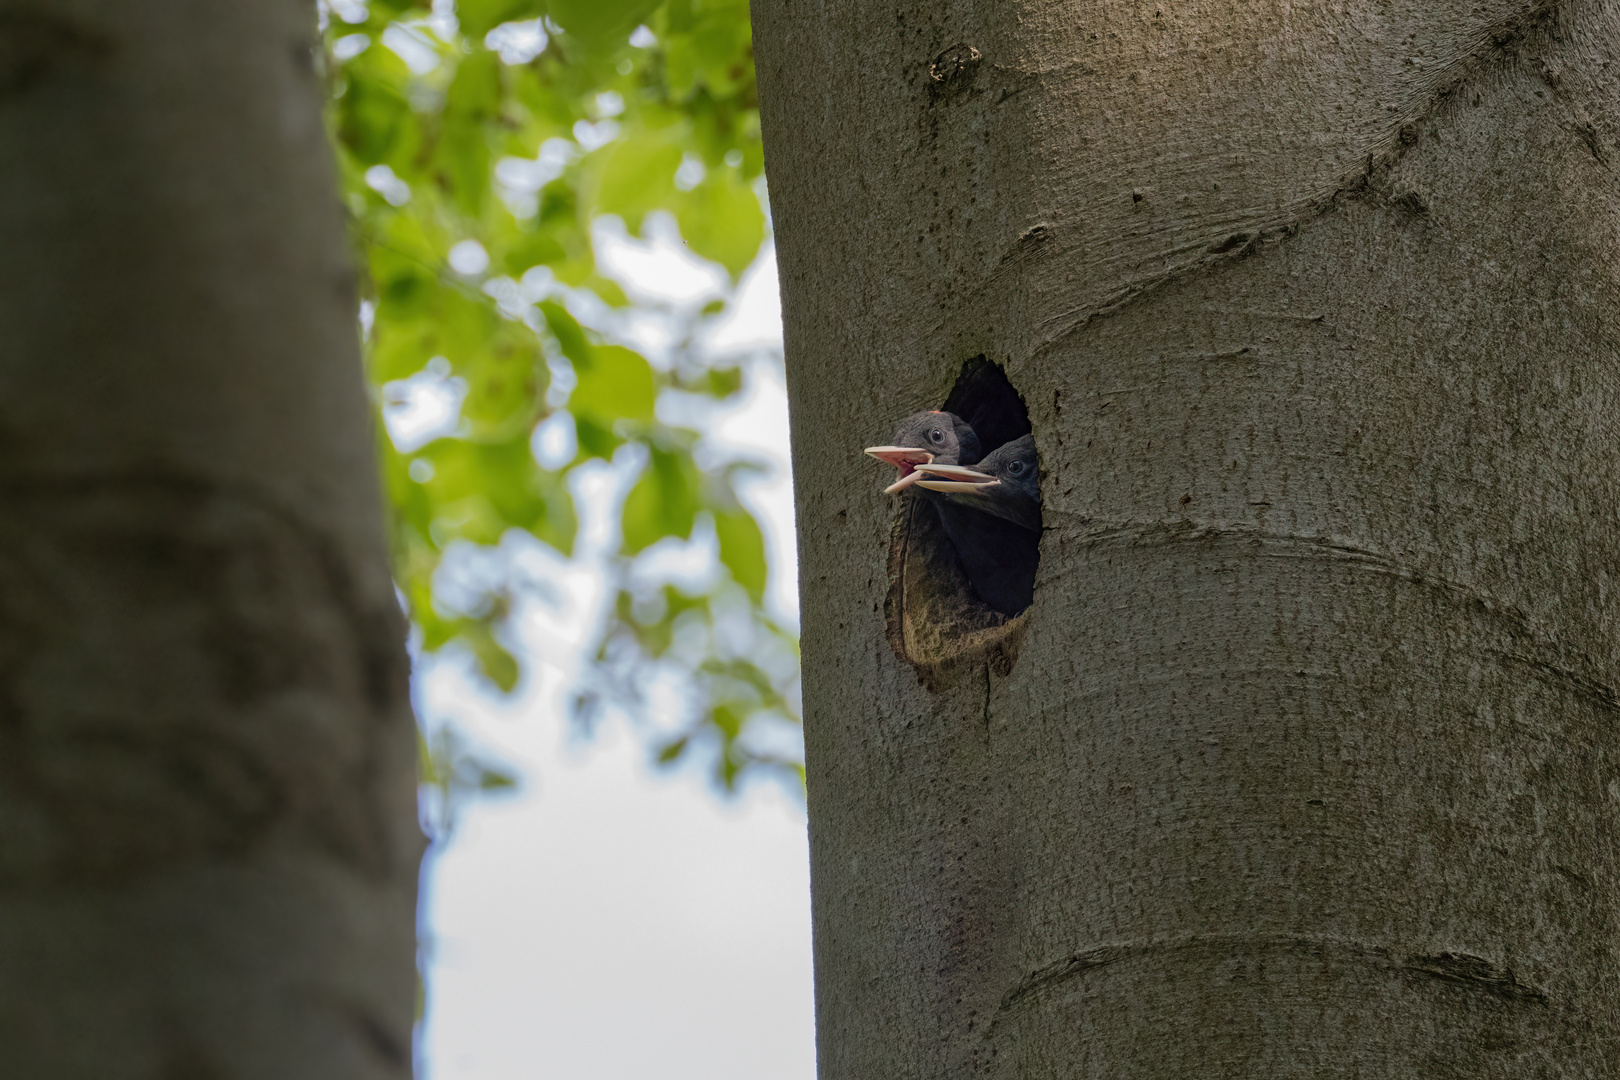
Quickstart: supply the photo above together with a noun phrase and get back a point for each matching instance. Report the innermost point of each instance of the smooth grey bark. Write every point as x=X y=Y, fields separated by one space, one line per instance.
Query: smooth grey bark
x=208 y=843
x=1308 y=764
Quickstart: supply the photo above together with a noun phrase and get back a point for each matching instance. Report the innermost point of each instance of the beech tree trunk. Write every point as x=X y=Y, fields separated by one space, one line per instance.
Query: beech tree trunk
x=1309 y=760
x=208 y=844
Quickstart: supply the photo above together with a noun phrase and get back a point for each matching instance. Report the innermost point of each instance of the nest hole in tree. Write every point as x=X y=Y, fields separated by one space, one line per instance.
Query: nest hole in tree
x=937 y=621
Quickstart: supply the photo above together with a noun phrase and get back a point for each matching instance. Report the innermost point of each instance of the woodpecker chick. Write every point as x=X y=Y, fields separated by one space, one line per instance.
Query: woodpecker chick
x=927 y=438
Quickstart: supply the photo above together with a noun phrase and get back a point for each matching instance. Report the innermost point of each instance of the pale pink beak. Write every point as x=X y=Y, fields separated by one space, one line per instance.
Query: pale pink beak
x=952 y=478
x=904 y=458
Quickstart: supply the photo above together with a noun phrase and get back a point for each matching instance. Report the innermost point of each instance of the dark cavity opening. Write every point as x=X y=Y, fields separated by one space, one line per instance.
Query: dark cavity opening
x=962 y=562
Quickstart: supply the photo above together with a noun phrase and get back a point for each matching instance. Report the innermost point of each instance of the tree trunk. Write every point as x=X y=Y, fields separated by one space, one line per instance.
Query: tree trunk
x=208 y=844
x=1308 y=760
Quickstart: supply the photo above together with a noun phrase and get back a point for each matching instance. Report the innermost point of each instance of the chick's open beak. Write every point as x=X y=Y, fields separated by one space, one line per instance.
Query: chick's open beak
x=956 y=478
x=906 y=459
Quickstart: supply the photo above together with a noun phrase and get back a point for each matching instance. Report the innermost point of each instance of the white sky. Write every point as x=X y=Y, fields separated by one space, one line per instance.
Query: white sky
x=608 y=922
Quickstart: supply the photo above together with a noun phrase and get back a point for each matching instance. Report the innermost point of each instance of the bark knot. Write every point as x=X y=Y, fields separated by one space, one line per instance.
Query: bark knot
x=953 y=70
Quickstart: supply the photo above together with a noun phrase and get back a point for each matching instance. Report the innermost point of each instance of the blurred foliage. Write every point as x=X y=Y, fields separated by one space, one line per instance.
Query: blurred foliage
x=477 y=142
x=450 y=772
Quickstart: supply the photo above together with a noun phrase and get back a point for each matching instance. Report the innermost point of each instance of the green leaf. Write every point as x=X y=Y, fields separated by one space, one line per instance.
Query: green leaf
x=532 y=249
x=600 y=24
x=398 y=350
x=742 y=549
x=559 y=204
x=462 y=156
x=559 y=525
x=729 y=720
x=721 y=219
x=475 y=92
x=479 y=17
x=391 y=9
x=664 y=501
x=375 y=121
x=614 y=384
x=608 y=290
x=594 y=439
x=506 y=384
x=638 y=176
x=494 y=660
x=722 y=54
x=569 y=334
x=481 y=489
x=681 y=66
x=723 y=382
x=491 y=778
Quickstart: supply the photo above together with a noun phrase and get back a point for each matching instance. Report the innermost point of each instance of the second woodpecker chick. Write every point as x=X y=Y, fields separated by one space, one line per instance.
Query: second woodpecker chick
x=992 y=514
x=1006 y=482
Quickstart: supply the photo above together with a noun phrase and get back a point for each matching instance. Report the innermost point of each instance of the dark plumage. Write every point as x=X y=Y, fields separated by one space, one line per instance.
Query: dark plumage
x=992 y=514
x=1006 y=482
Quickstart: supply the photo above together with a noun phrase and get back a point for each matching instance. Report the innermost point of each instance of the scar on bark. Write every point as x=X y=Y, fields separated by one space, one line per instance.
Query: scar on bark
x=1521 y=643
x=1476 y=973
x=1462 y=969
x=934 y=619
x=1587 y=132
x=1504 y=41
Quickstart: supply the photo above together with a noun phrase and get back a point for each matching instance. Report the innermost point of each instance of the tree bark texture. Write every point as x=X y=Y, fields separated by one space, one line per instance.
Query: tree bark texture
x=208 y=842
x=1308 y=762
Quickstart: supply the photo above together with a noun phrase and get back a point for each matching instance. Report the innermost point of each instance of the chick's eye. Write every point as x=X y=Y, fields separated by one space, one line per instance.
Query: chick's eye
x=937 y=435
x=1016 y=468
